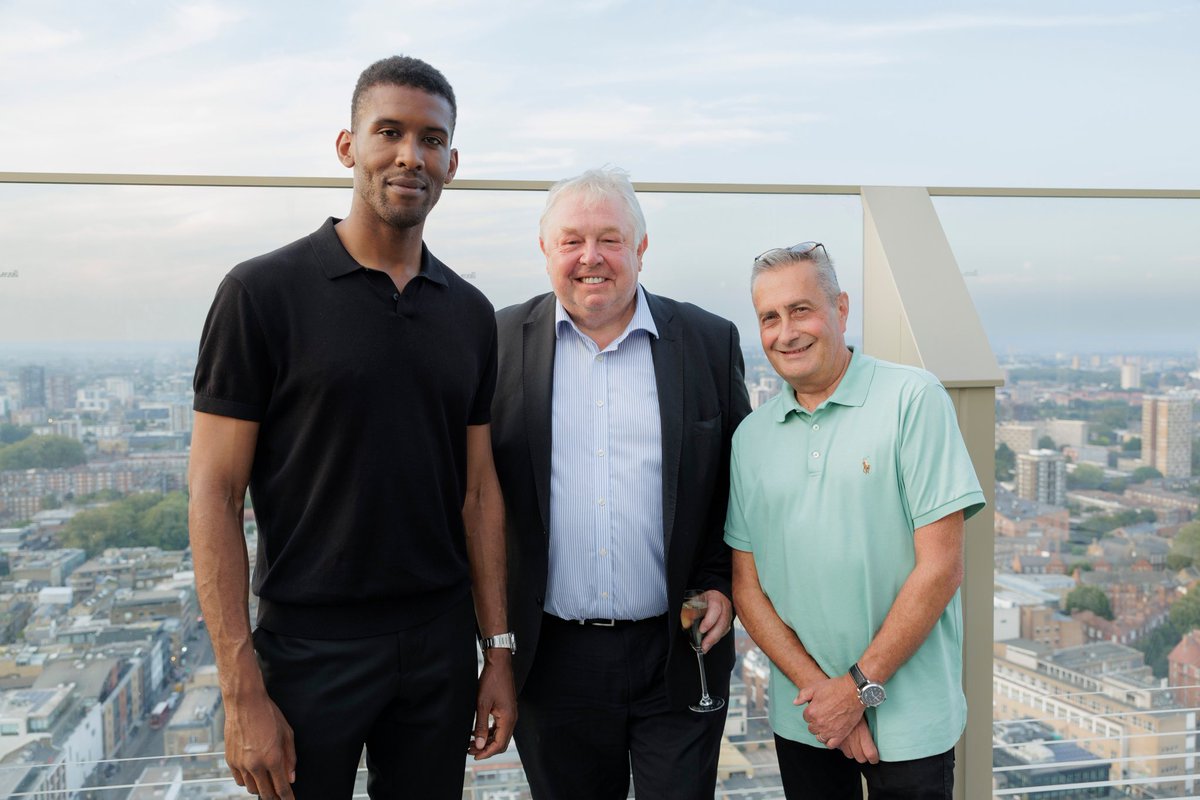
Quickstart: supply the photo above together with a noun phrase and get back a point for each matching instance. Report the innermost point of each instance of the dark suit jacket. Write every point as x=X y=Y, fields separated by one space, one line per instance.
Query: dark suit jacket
x=702 y=397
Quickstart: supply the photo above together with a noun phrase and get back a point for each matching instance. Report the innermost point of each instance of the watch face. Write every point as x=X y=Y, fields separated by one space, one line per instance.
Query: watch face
x=872 y=695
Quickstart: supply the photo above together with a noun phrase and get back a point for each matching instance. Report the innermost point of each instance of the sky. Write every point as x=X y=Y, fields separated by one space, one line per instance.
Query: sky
x=1028 y=94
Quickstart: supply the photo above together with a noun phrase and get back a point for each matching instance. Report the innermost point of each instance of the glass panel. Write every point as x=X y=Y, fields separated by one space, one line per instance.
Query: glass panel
x=103 y=295
x=1091 y=307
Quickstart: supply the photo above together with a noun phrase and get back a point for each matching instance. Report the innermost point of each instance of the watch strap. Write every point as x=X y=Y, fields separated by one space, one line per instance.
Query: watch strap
x=860 y=680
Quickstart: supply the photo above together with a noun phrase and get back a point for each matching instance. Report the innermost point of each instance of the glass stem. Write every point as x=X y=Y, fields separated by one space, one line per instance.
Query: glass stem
x=705 y=700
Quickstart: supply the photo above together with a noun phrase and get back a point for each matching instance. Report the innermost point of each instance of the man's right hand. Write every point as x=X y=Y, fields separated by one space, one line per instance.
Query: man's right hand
x=859 y=745
x=259 y=748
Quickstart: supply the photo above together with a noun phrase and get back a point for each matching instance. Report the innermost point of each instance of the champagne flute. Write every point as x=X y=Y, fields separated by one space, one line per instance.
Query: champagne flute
x=694 y=607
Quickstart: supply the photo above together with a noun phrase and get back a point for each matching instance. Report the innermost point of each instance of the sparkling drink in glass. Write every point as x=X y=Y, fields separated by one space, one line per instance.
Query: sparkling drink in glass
x=690 y=616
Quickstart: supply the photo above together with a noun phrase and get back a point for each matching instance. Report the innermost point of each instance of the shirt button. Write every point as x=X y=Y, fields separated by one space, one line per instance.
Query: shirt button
x=600 y=357
x=600 y=453
x=604 y=594
x=600 y=501
x=816 y=453
x=599 y=403
x=603 y=551
x=816 y=427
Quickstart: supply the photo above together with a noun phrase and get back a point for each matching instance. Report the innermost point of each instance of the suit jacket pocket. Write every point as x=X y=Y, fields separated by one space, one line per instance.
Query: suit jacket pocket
x=702 y=427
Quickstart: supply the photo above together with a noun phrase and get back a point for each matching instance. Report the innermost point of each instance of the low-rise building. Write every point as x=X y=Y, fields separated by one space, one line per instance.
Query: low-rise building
x=1102 y=697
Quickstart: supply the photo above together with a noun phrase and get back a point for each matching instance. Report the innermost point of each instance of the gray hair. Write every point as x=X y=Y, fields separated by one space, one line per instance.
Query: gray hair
x=596 y=186
x=816 y=255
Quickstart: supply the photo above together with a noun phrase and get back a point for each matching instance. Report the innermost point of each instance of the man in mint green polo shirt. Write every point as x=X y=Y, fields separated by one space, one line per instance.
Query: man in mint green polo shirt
x=848 y=493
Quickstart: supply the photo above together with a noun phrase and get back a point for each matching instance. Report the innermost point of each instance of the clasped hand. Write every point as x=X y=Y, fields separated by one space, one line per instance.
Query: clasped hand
x=835 y=717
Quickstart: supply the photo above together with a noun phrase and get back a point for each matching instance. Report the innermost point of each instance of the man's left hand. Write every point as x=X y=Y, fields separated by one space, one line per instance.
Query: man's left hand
x=718 y=620
x=833 y=709
x=497 y=699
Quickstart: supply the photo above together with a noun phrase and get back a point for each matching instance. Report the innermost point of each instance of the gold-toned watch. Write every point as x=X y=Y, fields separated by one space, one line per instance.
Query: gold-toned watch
x=508 y=640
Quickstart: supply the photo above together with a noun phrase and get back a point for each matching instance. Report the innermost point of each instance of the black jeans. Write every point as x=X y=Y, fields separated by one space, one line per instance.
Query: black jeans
x=823 y=774
x=408 y=696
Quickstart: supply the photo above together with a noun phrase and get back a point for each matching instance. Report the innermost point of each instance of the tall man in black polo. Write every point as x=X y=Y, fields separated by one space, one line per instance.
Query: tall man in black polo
x=347 y=379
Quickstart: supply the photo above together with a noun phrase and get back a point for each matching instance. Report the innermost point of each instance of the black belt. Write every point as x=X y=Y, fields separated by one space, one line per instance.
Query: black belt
x=605 y=623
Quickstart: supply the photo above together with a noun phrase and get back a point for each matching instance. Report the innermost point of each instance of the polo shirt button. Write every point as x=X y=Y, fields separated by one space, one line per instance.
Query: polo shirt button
x=395 y=296
x=816 y=427
x=816 y=454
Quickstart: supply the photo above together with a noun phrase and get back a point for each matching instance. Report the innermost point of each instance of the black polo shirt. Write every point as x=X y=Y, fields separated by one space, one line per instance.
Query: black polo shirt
x=363 y=395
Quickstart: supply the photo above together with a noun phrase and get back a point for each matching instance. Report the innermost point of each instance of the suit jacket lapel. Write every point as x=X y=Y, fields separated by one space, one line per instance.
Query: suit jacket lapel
x=667 y=351
x=537 y=379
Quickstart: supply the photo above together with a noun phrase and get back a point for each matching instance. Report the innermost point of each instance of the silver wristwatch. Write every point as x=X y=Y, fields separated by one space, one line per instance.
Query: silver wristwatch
x=508 y=640
x=870 y=694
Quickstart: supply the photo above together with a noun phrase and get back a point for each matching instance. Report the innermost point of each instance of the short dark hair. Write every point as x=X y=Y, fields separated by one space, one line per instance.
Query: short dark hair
x=403 y=71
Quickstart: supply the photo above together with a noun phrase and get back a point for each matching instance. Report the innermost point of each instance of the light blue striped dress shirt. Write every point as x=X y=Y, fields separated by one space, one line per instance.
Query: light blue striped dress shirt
x=607 y=556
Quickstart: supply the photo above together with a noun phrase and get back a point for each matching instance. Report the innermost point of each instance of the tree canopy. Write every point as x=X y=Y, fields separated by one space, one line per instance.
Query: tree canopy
x=1085 y=476
x=1187 y=541
x=1185 y=612
x=1089 y=476
x=1143 y=474
x=1103 y=523
x=11 y=434
x=140 y=520
x=45 y=452
x=1089 y=598
x=1006 y=462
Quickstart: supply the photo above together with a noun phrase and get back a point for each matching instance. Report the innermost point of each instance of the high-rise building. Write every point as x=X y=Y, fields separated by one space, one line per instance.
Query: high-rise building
x=1020 y=437
x=1131 y=376
x=762 y=391
x=1042 y=476
x=60 y=392
x=1070 y=432
x=32 y=381
x=1167 y=434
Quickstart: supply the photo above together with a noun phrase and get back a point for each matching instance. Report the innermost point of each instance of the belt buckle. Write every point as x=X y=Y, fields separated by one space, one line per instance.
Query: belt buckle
x=607 y=623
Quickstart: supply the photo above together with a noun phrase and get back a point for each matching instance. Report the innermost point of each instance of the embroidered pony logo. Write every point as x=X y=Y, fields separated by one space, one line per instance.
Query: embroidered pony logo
x=866 y=467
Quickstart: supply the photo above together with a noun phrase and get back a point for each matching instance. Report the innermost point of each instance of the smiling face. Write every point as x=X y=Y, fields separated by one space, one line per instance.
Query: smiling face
x=593 y=263
x=400 y=151
x=802 y=330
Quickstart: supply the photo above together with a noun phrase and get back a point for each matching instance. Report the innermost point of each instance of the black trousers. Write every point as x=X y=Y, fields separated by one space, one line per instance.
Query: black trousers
x=408 y=696
x=595 y=706
x=823 y=774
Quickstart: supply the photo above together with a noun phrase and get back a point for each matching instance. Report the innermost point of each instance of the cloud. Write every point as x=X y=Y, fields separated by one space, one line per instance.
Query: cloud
x=953 y=23
x=671 y=124
x=22 y=38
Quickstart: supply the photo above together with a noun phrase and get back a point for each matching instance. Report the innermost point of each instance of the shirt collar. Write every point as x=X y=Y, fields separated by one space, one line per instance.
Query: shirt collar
x=336 y=261
x=850 y=391
x=642 y=320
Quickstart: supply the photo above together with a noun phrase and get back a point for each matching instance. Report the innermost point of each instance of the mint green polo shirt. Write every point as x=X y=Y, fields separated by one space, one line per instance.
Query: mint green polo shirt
x=828 y=502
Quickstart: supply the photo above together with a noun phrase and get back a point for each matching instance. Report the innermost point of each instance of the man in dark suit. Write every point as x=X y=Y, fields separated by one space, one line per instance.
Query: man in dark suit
x=611 y=428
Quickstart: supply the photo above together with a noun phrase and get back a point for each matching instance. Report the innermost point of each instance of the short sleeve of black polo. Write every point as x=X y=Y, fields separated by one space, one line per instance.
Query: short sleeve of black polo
x=481 y=411
x=234 y=371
